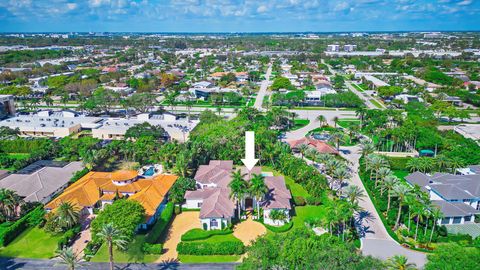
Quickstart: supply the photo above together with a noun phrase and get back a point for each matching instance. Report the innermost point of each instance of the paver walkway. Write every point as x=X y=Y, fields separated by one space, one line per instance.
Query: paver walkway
x=181 y=224
x=85 y=236
x=249 y=230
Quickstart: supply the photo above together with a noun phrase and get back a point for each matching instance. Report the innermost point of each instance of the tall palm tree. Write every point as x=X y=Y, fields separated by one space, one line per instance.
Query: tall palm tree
x=341 y=174
x=258 y=189
x=354 y=194
x=456 y=163
x=67 y=215
x=400 y=192
x=389 y=183
x=336 y=137
x=335 y=120
x=414 y=165
x=238 y=188
x=69 y=258
x=418 y=214
x=375 y=163
x=10 y=203
x=436 y=215
x=367 y=148
x=113 y=237
x=399 y=262
x=321 y=119
x=382 y=174
x=442 y=162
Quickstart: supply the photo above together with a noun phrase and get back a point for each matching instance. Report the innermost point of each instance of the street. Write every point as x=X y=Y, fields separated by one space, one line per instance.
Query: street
x=263 y=89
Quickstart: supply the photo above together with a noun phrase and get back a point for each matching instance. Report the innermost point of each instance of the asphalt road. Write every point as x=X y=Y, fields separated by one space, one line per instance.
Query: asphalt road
x=30 y=264
x=263 y=89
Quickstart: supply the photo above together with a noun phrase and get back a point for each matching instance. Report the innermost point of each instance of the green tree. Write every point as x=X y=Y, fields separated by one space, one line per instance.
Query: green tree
x=281 y=83
x=68 y=258
x=113 y=237
x=452 y=256
x=67 y=215
x=258 y=189
x=399 y=262
x=238 y=188
x=145 y=130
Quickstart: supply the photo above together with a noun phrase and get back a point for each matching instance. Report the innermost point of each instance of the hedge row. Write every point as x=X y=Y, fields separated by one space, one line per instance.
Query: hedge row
x=31 y=219
x=284 y=228
x=157 y=230
x=152 y=248
x=78 y=175
x=199 y=234
x=214 y=248
x=68 y=236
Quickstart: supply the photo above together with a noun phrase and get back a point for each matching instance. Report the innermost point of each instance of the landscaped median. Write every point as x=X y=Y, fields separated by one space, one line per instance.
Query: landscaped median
x=198 y=245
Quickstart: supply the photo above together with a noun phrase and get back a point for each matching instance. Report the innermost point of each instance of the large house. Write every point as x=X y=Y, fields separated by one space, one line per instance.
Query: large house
x=97 y=189
x=41 y=181
x=457 y=196
x=217 y=208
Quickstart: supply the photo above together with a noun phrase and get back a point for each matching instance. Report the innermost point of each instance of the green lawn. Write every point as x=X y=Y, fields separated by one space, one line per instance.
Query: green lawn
x=308 y=211
x=347 y=123
x=133 y=255
x=300 y=123
x=356 y=86
x=17 y=156
x=295 y=188
x=33 y=243
x=208 y=259
x=401 y=175
x=376 y=103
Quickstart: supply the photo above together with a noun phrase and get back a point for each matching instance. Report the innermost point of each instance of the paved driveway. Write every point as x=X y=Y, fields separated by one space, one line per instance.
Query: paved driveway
x=249 y=230
x=263 y=89
x=181 y=224
x=375 y=239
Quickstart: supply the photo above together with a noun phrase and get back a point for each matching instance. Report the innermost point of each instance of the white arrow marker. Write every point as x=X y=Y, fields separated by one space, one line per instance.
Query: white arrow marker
x=249 y=161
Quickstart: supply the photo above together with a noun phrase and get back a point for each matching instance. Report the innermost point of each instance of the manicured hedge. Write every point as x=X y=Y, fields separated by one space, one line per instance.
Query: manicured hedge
x=199 y=234
x=78 y=175
x=31 y=219
x=211 y=248
x=152 y=248
x=157 y=230
x=68 y=236
x=284 y=228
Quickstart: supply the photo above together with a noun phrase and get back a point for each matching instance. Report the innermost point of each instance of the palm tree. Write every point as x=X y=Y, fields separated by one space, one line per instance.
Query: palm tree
x=67 y=215
x=278 y=215
x=401 y=192
x=354 y=194
x=258 y=189
x=382 y=174
x=321 y=119
x=340 y=174
x=238 y=188
x=456 y=163
x=389 y=183
x=442 y=162
x=68 y=258
x=337 y=137
x=414 y=165
x=335 y=120
x=303 y=148
x=436 y=215
x=367 y=149
x=10 y=203
x=112 y=236
x=399 y=262
x=182 y=166
x=418 y=214
x=375 y=163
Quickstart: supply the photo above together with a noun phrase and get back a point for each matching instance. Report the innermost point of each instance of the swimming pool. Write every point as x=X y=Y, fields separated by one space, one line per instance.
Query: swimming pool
x=149 y=172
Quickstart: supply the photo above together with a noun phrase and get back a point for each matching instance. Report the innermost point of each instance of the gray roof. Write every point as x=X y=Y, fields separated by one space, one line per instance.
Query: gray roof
x=3 y=174
x=41 y=184
x=449 y=186
x=455 y=209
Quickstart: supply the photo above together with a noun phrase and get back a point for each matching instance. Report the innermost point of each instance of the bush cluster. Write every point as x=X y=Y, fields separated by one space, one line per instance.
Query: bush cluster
x=152 y=248
x=32 y=218
x=199 y=234
x=284 y=228
x=78 y=175
x=162 y=222
x=68 y=236
x=214 y=248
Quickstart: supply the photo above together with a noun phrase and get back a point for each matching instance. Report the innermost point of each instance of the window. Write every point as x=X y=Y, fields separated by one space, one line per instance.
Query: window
x=457 y=220
x=468 y=218
x=199 y=204
x=213 y=223
x=445 y=220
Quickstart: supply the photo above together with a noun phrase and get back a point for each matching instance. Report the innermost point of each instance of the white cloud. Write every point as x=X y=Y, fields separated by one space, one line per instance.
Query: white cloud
x=465 y=3
x=262 y=9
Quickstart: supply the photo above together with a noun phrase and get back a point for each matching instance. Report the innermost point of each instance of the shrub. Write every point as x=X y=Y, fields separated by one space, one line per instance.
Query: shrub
x=152 y=248
x=9 y=234
x=91 y=249
x=162 y=222
x=205 y=226
x=178 y=209
x=78 y=175
x=299 y=200
x=36 y=216
x=314 y=200
x=214 y=248
x=68 y=236
x=455 y=238
x=398 y=163
x=285 y=227
x=199 y=234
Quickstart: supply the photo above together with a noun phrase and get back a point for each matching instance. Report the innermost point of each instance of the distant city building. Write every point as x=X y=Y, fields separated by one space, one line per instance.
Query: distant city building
x=349 y=48
x=333 y=48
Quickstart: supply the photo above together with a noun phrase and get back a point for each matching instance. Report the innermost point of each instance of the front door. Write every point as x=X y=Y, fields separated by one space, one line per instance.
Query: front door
x=248 y=203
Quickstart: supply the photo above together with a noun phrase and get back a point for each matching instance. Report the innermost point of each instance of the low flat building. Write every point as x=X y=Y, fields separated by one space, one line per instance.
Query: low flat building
x=7 y=106
x=42 y=181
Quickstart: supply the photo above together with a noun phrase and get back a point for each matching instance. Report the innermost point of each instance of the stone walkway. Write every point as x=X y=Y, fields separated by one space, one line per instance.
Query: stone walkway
x=181 y=224
x=249 y=230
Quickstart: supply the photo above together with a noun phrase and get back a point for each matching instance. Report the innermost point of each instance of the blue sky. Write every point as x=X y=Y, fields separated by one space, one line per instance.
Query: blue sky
x=237 y=15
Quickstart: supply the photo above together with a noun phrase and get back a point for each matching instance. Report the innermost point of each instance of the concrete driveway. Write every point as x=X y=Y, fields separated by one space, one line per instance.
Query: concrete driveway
x=249 y=230
x=182 y=223
x=263 y=89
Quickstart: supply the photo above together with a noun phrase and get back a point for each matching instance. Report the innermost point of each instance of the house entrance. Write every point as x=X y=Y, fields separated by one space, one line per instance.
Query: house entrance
x=248 y=203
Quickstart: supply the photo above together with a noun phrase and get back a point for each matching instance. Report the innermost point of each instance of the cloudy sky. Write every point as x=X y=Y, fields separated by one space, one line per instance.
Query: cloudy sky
x=237 y=15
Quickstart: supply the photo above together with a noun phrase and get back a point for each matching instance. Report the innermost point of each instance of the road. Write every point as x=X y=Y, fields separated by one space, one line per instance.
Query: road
x=314 y=123
x=366 y=98
x=374 y=237
x=31 y=264
x=263 y=89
